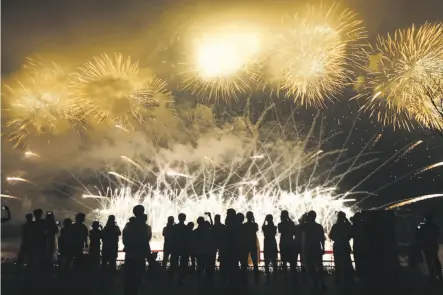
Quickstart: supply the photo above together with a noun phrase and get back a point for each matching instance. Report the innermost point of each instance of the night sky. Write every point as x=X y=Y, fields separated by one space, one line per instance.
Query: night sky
x=84 y=28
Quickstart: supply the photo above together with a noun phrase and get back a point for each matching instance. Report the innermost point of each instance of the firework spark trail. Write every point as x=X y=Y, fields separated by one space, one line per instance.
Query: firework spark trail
x=8 y=196
x=405 y=80
x=409 y=150
x=112 y=89
x=315 y=54
x=17 y=179
x=430 y=167
x=413 y=200
x=415 y=173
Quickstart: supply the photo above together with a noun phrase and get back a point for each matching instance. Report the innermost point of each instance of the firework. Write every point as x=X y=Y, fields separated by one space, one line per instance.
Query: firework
x=267 y=180
x=405 y=79
x=112 y=89
x=315 y=53
x=413 y=200
x=39 y=103
x=223 y=64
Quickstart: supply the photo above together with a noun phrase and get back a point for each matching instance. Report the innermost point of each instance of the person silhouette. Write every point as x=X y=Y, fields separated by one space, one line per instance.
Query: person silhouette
x=286 y=228
x=341 y=235
x=52 y=231
x=95 y=237
x=8 y=214
x=136 y=247
x=270 y=245
x=191 y=249
x=219 y=232
x=427 y=235
x=202 y=247
x=313 y=248
x=250 y=229
x=39 y=238
x=111 y=234
x=65 y=242
x=232 y=246
x=79 y=240
x=25 y=255
x=181 y=248
x=167 y=244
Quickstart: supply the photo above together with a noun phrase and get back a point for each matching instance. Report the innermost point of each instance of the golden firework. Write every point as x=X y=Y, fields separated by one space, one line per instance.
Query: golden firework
x=315 y=53
x=405 y=80
x=40 y=103
x=222 y=64
x=111 y=89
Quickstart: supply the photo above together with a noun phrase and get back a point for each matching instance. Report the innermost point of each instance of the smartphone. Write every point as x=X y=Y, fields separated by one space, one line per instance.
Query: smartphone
x=207 y=213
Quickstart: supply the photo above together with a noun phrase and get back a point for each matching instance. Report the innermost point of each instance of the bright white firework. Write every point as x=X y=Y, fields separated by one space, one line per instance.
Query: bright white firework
x=222 y=64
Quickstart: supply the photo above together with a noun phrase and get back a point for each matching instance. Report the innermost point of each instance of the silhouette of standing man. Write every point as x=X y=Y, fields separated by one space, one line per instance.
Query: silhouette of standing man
x=79 y=239
x=250 y=239
x=181 y=248
x=341 y=235
x=313 y=248
x=136 y=242
x=427 y=236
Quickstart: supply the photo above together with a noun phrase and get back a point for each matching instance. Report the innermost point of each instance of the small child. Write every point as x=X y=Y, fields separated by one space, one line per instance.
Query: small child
x=95 y=236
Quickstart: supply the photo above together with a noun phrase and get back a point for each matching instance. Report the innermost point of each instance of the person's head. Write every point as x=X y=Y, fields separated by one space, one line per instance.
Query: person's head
x=312 y=216
x=138 y=211
x=240 y=218
x=29 y=218
x=67 y=222
x=182 y=217
x=132 y=219
x=170 y=220
x=250 y=216
x=111 y=220
x=269 y=219
x=38 y=214
x=341 y=216
x=80 y=217
x=200 y=221
x=429 y=217
x=284 y=216
x=95 y=225
x=217 y=218
x=190 y=225
x=50 y=218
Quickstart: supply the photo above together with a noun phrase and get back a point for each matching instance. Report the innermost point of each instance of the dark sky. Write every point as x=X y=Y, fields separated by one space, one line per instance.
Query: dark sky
x=83 y=27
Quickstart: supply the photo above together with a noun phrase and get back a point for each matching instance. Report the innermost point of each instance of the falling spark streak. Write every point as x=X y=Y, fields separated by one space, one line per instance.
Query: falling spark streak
x=122 y=128
x=409 y=150
x=430 y=167
x=8 y=196
x=377 y=139
x=121 y=176
x=86 y=196
x=19 y=179
x=415 y=173
x=29 y=154
x=173 y=173
x=414 y=200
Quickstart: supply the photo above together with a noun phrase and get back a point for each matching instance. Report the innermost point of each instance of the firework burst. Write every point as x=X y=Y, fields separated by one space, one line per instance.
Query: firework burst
x=39 y=103
x=111 y=89
x=315 y=54
x=405 y=80
x=222 y=64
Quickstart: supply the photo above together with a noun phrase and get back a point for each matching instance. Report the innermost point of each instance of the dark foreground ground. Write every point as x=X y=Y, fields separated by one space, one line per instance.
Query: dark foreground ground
x=155 y=283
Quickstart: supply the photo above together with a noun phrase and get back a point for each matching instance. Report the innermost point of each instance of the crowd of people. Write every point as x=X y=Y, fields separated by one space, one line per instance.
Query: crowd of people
x=232 y=245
